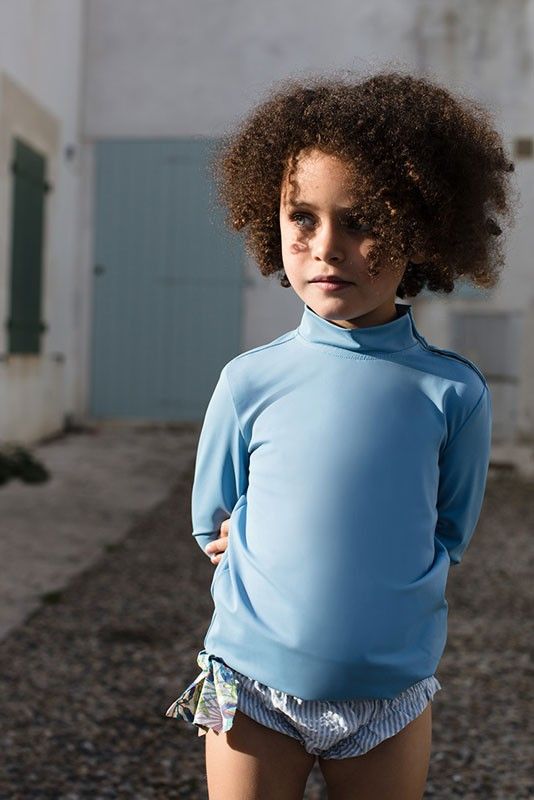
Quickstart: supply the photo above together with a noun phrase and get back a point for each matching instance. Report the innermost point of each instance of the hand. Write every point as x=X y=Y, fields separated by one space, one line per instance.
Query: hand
x=216 y=548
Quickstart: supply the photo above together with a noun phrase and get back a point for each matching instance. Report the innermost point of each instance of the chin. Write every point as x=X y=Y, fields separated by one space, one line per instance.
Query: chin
x=336 y=307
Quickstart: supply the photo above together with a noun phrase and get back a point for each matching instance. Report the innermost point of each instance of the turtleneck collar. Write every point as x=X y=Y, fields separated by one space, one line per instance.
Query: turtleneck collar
x=398 y=334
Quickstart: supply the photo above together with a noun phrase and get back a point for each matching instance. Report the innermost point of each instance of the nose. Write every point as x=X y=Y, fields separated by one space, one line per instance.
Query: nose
x=326 y=244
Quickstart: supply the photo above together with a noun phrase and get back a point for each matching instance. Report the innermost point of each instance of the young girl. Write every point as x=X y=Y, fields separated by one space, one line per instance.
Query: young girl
x=349 y=455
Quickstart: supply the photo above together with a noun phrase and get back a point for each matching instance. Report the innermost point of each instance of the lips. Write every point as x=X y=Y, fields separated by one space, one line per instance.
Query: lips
x=328 y=279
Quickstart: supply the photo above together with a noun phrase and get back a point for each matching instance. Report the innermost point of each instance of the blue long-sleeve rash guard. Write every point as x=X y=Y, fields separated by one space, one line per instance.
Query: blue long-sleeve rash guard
x=352 y=464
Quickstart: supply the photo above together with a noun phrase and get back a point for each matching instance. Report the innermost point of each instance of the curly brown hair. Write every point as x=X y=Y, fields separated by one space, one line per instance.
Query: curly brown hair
x=428 y=170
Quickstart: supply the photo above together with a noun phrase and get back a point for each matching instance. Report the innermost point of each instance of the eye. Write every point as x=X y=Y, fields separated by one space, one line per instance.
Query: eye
x=353 y=225
x=297 y=218
x=358 y=227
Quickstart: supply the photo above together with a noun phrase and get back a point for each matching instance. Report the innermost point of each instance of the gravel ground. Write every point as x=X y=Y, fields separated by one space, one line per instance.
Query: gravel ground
x=86 y=680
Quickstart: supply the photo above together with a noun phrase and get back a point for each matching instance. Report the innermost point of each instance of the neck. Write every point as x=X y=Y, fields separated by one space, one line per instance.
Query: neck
x=396 y=334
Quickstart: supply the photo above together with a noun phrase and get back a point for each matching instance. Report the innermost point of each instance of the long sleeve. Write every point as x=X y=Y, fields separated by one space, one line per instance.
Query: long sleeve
x=464 y=464
x=221 y=467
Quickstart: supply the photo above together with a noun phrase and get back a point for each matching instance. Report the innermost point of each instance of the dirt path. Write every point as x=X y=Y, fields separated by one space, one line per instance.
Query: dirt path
x=101 y=481
x=85 y=682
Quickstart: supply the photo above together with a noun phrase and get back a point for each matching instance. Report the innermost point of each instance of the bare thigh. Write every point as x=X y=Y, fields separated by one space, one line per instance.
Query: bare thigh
x=253 y=762
x=397 y=767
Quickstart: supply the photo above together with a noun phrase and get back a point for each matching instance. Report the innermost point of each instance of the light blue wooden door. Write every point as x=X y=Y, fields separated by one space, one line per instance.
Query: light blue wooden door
x=167 y=281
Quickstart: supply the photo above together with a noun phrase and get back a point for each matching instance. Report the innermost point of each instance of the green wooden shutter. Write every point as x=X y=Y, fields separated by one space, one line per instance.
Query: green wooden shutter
x=29 y=188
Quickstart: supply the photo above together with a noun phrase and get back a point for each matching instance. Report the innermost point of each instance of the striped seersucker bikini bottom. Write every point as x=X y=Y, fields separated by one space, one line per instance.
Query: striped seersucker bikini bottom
x=325 y=728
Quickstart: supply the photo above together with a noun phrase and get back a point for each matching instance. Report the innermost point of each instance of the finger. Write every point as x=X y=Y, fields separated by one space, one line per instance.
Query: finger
x=217 y=546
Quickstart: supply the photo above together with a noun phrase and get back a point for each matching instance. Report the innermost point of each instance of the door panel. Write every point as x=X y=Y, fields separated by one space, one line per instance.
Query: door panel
x=167 y=281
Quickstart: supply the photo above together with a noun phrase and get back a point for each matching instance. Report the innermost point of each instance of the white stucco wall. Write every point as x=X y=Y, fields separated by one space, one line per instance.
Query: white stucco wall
x=169 y=69
x=484 y=49
x=172 y=69
x=40 y=64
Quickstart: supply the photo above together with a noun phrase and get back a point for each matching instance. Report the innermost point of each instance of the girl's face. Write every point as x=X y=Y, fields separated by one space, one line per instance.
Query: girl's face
x=317 y=241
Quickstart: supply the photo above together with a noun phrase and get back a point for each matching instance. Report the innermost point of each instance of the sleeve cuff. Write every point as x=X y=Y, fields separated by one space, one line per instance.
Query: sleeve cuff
x=203 y=539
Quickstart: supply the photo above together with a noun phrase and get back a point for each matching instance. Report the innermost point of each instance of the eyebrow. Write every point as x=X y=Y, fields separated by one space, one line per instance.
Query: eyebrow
x=294 y=204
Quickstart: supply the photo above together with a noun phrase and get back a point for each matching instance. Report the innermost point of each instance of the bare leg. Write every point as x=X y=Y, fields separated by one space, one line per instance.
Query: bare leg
x=253 y=762
x=397 y=767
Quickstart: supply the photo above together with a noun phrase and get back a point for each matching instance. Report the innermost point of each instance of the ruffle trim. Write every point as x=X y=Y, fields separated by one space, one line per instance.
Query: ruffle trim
x=211 y=700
